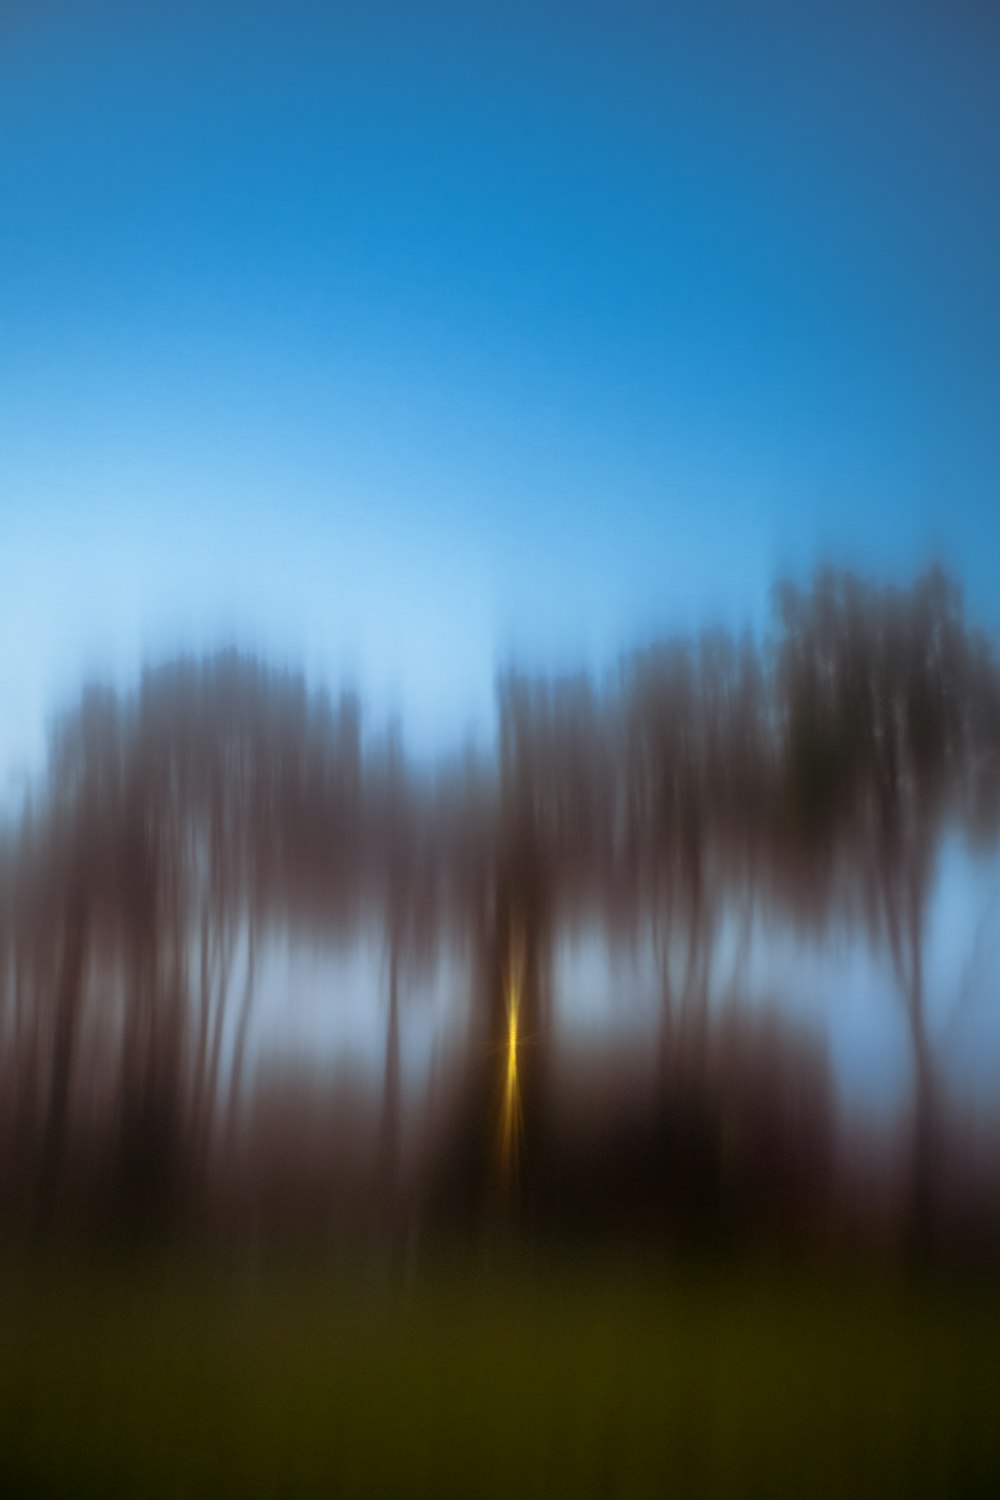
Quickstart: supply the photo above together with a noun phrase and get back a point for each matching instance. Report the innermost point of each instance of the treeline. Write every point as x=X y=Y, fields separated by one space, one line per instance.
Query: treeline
x=799 y=781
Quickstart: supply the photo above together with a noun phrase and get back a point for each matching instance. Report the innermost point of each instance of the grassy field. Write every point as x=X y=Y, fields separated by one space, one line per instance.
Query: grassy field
x=164 y=1382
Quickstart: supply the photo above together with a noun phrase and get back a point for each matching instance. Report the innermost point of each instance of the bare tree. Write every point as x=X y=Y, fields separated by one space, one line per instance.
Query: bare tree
x=875 y=685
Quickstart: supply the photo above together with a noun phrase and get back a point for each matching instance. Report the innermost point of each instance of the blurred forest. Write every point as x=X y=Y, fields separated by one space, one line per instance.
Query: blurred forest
x=799 y=783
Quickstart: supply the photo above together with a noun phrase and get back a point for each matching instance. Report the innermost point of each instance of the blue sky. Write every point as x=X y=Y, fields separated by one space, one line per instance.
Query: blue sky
x=391 y=338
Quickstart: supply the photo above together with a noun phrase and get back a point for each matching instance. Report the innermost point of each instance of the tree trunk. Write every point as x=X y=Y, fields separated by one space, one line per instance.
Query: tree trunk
x=389 y=1127
x=905 y=930
x=205 y=984
x=66 y=1022
x=240 y=1040
x=210 y=1100
x=668 y=1020
x=923 y=1207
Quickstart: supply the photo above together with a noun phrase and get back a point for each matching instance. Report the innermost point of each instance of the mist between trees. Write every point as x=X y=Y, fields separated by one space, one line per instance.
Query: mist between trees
x=801 y=783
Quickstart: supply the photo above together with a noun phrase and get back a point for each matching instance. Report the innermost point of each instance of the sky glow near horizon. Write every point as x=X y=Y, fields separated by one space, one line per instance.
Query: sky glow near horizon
x=389 y=340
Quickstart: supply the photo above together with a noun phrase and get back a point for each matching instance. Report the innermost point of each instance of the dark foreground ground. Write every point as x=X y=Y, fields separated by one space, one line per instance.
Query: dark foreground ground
x=173 y=1381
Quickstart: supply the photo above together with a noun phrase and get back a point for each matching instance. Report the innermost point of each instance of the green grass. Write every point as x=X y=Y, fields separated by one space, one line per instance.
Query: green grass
x=165 y=1382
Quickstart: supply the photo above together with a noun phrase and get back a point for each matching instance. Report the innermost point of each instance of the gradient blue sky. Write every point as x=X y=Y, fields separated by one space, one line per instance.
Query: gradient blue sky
x=389 y=338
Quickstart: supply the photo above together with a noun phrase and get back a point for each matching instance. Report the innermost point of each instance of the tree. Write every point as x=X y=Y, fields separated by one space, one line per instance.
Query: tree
x=874 y=687
x=404 y=875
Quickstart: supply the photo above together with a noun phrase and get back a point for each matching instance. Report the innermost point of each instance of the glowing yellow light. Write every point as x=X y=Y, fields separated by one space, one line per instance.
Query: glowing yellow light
x=512 y=1047
x=511 y=1119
